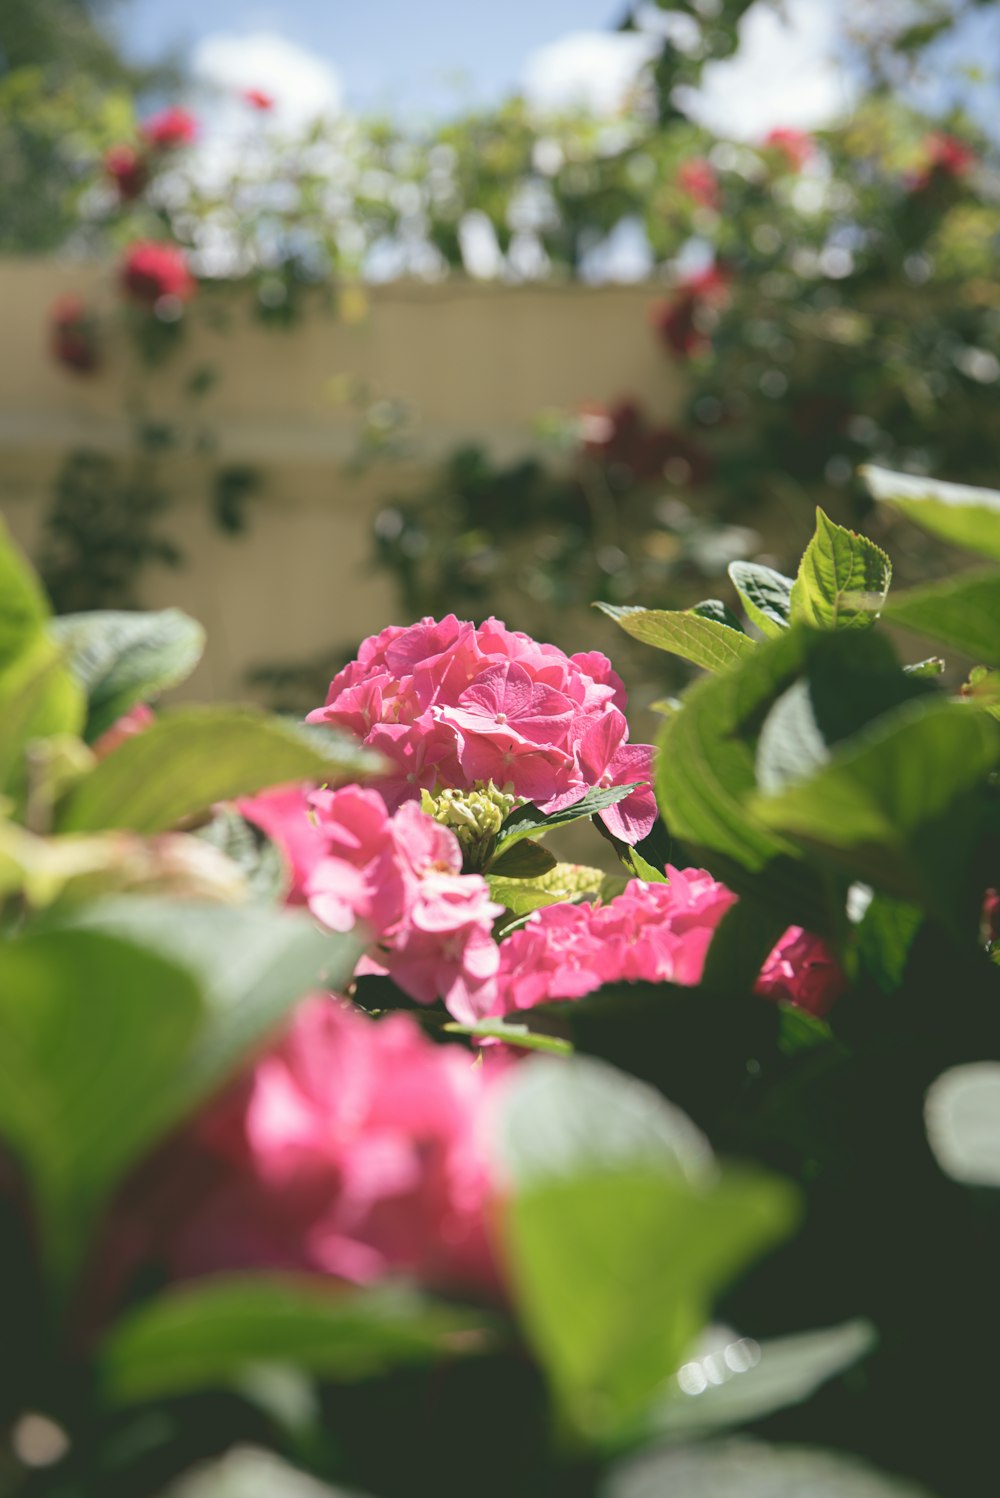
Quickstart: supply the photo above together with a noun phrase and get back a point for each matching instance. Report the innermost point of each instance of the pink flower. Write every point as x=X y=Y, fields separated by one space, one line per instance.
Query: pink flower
x=650 y=932
x=354 y=1149
x=431 y=926
x=257 y=99
x=803 y=971
x=170 y=128
x=653 y=933
x=797 y=146
x=152 y=270
x=136 y=720
x=451 y=704
x=127 y=170
x=697 y=178
x=72 y=337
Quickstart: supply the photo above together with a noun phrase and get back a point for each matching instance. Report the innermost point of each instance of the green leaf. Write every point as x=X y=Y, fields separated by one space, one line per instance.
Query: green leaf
x=192 y=757
x=23 y=606
x=512 y=1034
x=93 y=1037
x=704 y=642
x=962 y=1114
x=742 y=942
x=523 y=860
x=963 y=612
x=741 y=1468
x=121 y=659
x=885 y=805
x=565 y=881
x=714 y=608
x=203 y=1336
x=842 y=580
x=956 y=512
x=526 y=821
x=766 y=595
x=735 y=1381
x=251 y=963
x=706 y=778
x=38 y=699
x=619 y=1230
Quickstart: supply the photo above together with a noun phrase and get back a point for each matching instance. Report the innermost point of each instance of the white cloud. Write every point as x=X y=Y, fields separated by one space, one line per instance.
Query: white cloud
x=304 y=87
x=592 y=70
x=785 y=73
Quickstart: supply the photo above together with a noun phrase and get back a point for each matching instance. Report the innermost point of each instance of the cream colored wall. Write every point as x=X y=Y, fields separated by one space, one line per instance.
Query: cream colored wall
x=477 y=362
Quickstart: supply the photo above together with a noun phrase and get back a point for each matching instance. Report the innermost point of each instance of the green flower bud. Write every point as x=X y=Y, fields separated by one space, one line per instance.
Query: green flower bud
x=475 y=817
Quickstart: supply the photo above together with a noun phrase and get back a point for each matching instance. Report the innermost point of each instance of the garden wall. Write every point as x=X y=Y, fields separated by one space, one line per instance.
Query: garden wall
x=476 y=362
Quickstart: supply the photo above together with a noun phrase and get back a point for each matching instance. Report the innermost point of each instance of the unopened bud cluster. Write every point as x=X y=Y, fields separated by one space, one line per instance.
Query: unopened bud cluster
x=475 y=817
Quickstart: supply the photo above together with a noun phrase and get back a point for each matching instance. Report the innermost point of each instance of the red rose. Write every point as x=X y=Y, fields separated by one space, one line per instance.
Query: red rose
x=72 y=335
x=257 y=99
x=127 y=170
x=697 y=178
x=680 y=321
x=945 y=158
x=151 y=270
x=171 y=127
x=795 y=145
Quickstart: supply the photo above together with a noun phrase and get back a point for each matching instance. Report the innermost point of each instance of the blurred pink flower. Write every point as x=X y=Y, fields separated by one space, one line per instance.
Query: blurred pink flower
x=136 y=720
x=169 y=128
x=258 y=99
x=803 y=971
x=152 y=269
x=797 y=146
x=128 y=170
x=354 y=1149
x=698 y=179
x=72 y=339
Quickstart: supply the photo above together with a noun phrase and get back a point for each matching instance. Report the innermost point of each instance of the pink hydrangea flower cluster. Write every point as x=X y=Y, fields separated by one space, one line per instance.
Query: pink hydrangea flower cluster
x=653 y=933
x=354 y=1149
x=451 y=704
x=401 y=874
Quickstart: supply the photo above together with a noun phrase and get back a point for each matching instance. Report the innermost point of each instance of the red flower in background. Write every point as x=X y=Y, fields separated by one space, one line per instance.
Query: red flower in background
x=151 y=270
x=128 y=170
x=257 y=99
x=680 y=321
x=795 y=145
x=699 y=180
x=170 y=128
x=72 y=335
x=621 y=437
x=946 y=158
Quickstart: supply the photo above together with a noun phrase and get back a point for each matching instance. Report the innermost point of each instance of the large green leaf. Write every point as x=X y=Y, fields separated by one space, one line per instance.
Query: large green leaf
x=956 y=512
x=741 y=1468
x=706 y=778
x=564 y=881
x=23 y=606
x=93 y=1037
x=887 y=805
x=193 y=757
x=733 y=1381
x=704 y=642
x=121 y=659
x=251 y=963
x=203 y=1336
x=37 y=695
x=766 y=595
x=963 y=612
x=619 y=1229
x=842 y=580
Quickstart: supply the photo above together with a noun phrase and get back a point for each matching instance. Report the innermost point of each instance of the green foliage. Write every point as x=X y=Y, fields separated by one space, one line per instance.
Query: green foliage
x=955 y=512
x=618 y=1233
x=204 y=1336
x=704 y=642
x=122 y=659
x=213 y=754
x=842 y=580
x=765 y=594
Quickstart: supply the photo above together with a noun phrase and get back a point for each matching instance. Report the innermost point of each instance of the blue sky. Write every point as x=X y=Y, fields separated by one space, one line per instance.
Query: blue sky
x=388 y=53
